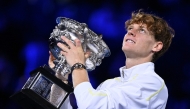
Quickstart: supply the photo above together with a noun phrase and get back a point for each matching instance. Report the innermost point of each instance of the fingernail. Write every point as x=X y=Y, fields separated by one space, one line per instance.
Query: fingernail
x=58 y=43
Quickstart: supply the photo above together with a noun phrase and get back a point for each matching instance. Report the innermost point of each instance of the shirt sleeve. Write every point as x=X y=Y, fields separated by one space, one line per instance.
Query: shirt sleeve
x=122 y=97
x=89 y=98
x=129 y=95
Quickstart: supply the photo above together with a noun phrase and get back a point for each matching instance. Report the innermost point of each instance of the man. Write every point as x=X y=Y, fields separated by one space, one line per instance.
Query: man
x=138 y=87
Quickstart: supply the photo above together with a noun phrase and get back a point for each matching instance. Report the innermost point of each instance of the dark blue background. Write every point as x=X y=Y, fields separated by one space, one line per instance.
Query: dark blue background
x=25 y=26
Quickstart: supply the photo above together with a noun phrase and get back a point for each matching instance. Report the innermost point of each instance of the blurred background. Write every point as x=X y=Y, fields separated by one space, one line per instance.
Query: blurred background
x=25 y=27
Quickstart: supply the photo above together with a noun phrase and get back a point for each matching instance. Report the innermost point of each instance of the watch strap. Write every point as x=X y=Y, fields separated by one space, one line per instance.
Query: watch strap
x=77 y=66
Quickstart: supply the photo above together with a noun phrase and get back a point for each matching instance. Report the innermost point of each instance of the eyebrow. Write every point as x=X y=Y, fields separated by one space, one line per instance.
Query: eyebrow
x=130 y=26
x=142 y=26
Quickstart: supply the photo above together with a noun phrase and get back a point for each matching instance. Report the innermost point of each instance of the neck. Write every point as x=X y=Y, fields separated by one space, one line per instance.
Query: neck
x=130 y=62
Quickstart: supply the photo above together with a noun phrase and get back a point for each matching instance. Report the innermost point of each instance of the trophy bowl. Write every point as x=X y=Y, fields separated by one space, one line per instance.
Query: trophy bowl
x=43 y=90
x=91 y=42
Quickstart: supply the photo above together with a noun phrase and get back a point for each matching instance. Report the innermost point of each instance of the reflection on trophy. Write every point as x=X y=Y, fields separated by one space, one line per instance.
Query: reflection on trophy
x=90 y=42
x=43 y=90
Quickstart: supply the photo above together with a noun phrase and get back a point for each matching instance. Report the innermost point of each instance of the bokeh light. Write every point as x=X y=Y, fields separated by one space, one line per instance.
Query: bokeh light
x=25 y=27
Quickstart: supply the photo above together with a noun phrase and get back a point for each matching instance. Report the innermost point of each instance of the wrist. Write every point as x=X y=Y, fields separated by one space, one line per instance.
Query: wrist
x=78 y=66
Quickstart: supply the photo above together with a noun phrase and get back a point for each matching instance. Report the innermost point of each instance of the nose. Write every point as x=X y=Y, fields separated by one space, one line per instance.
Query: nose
x=131 y=33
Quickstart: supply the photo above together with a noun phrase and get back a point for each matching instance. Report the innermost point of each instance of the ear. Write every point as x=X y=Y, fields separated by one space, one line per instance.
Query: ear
x=157 y=46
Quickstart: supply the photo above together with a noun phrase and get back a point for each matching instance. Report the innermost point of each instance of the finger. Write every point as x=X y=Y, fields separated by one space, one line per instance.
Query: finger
x=67 y=41
x=63 y=47
x=51 y=56
x=87 y=54
x=64 y=53
x=50 y=61
x=77 y=42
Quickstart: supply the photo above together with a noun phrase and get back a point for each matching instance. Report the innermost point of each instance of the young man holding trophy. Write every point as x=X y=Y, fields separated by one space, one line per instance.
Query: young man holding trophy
x=138 y=87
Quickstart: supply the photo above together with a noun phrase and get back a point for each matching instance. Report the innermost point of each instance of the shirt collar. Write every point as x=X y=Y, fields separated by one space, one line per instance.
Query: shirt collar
x=135 y=70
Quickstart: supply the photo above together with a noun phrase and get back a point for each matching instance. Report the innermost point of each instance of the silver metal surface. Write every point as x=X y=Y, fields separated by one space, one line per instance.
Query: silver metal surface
x=91 y=42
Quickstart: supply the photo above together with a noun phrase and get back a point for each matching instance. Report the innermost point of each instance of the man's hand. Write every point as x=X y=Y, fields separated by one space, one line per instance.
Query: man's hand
x=51 y=65
x=51 y=59
x=74 y=53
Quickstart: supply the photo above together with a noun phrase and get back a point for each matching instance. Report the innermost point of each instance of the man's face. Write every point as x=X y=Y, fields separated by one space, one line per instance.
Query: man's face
x=138 y=42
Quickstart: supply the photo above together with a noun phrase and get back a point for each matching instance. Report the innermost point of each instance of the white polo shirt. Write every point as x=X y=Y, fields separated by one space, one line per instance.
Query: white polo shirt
x=139 y=87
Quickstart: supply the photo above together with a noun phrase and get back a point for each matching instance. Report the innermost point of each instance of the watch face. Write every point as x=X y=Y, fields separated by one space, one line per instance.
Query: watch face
x=77 y=66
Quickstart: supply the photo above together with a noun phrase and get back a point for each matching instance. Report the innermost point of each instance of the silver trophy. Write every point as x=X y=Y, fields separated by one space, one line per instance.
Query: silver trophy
x=91 y=42
x=43 y=90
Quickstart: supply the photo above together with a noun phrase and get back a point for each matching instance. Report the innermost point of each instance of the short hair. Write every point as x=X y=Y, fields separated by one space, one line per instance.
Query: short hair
x=157 y=26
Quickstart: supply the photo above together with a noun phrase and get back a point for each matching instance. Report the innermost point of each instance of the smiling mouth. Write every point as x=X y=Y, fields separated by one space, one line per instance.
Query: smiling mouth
x=130 y=41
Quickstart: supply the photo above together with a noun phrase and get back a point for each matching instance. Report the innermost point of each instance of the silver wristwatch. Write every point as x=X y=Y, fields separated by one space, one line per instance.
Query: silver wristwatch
x=77 y=66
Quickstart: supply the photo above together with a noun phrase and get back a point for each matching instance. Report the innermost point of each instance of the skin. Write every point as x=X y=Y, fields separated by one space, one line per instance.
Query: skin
x=142 y=47
x=75 y=55
x=137 y=51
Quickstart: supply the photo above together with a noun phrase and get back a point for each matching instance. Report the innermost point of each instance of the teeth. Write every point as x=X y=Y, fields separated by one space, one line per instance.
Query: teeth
x=131 y=41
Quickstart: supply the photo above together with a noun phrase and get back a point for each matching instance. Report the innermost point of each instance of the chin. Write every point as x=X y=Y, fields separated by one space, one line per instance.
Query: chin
x=123 y=49
x=126 y=48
